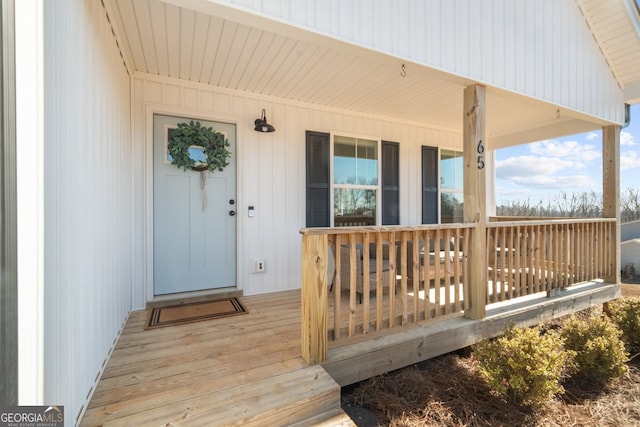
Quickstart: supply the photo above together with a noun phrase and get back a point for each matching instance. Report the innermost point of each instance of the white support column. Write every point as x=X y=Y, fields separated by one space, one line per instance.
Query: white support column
x=29 y=57
x=611 y=193
x=475 y=195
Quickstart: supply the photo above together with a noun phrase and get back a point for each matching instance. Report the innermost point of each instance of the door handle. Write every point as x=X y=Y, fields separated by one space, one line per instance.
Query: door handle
x=232 y=213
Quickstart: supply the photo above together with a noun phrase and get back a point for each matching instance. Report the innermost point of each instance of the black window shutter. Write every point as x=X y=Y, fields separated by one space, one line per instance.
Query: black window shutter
x=390 y=183
x=429 y=185
x=318 y=209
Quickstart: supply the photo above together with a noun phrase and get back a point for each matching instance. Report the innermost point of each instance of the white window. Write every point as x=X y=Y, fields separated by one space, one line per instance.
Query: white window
x=451 y=187
x=355 y=180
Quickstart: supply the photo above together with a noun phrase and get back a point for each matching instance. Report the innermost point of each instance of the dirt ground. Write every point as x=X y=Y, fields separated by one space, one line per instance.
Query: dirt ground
x=448 y=391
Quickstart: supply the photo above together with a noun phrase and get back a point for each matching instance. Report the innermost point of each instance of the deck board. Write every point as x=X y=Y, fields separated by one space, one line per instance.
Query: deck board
x=242 y=369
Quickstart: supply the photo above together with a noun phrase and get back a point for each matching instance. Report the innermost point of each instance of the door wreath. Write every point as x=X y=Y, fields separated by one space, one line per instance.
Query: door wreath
x=213 y=144
x=187 y=136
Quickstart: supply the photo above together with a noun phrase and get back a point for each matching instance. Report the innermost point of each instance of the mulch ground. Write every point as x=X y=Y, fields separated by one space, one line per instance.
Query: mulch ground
x=448 y=391
x=630 y=290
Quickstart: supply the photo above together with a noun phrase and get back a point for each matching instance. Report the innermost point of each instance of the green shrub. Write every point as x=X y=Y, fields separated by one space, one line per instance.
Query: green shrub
x=625 y=313
x=600 y=354
x=525 y=365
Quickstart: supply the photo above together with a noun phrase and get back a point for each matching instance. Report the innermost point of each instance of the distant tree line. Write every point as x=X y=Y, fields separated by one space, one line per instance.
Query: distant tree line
x=574 y=205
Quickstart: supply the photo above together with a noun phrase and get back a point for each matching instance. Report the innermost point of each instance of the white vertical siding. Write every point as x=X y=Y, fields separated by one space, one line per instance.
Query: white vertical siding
x=29 y=109
x=271 y=170
x=543 y=49
x=88 y=199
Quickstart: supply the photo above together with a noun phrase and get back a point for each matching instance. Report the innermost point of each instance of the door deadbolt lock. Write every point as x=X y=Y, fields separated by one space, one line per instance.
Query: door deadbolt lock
x=232 y=213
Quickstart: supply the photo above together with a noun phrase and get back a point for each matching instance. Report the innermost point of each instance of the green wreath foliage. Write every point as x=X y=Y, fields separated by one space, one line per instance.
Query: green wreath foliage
x=193 y=134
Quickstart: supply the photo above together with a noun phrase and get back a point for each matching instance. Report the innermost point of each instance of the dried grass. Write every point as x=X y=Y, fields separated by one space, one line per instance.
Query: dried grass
x=447 y=391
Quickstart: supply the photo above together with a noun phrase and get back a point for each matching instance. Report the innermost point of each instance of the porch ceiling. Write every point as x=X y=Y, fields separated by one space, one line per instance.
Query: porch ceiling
x=616 y=26
x=223 y=46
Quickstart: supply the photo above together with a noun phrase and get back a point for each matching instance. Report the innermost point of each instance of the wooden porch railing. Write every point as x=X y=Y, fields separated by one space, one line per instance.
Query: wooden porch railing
x=527 y=257
x=358 y=280
x=379 y=278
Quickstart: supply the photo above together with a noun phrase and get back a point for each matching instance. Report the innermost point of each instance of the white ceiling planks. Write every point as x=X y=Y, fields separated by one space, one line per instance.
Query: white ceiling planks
x=244 y=65
x=214 y=32
x=145 y=31
x=612 y=26
x=159 y=35
x=202 y=25
x=279 y=67
x=172 y=45
x=127 y=18
x=187 y=40
x=308 y=66
x=167 y=40
x=163 y=39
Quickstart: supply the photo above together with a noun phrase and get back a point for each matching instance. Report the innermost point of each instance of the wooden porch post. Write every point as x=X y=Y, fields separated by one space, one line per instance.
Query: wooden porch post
x=314 y=296
x=475 y=200
x=611 y=195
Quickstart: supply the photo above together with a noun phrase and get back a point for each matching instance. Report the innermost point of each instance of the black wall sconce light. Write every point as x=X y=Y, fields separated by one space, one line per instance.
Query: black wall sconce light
x=262 y=125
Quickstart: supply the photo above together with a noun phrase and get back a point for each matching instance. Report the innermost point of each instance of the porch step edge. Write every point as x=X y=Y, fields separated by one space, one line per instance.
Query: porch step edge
x=313 y=393
x=334 y=418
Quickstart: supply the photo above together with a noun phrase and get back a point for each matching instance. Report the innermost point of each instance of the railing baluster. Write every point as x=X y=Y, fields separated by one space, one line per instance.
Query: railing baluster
x=493 y=264
x=403 y=263
x=436 y=271
x=456 y=274
x=550 y=257
x=535 y=254
x=416 y=273
x=524 y=274
x=593 y=238
x=337 y=288
x=566 y=253
x=465 y=268
x=393 y=271
x=515 y=275
x=366 y=282
x=503 y=262
x=379 y=278
x=555 y=234
x=447 y=270
x=352 y=283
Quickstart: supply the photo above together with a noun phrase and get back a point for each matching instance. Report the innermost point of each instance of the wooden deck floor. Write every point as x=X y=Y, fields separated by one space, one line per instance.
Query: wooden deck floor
x=240 y=370
x=247 y=370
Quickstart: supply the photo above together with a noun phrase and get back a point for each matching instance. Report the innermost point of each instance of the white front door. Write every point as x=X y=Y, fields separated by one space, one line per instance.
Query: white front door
x=194 y=224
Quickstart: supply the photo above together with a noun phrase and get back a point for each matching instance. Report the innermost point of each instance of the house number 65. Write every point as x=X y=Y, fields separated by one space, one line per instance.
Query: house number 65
x=480 y=150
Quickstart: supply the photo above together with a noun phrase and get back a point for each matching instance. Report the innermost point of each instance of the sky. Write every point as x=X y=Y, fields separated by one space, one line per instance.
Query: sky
x=540 y=171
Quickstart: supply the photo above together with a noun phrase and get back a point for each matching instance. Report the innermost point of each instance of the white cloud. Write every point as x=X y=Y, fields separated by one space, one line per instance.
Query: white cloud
x=543 y=172
x=592 y=136
x=554 y=182
x=629 y=160
x=565 y=149
x=525 y=166
x=513 y=193
x=626 y=138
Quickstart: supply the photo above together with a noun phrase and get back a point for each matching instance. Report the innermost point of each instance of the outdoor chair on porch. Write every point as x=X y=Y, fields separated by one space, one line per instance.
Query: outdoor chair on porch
x=361 y=275
x=437 y=260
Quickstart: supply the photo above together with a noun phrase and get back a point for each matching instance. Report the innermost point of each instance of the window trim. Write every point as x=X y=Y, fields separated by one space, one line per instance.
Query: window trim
x=332 y=187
